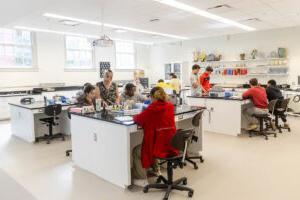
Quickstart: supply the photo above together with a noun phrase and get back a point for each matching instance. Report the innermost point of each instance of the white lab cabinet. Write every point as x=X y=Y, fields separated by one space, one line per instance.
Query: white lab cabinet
x=4 y=107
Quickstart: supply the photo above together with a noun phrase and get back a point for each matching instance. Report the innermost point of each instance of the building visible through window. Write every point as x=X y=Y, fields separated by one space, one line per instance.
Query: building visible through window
x=15 y=49
x=79 y=53
x=125 y=55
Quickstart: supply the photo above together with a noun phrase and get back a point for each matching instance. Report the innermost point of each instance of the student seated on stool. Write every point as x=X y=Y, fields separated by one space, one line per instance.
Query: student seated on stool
x=158 y=115
x=130 y=96
x=88 y=97
x=274 y=93
x=260 y=103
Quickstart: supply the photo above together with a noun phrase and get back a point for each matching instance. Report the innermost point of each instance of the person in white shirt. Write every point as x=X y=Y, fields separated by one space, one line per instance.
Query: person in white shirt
x=194 y=79
x=175 y=83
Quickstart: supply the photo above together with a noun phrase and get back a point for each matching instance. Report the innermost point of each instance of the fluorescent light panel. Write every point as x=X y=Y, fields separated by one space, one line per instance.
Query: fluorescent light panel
x=84 y=21
x=203 y=13
x=75 y=34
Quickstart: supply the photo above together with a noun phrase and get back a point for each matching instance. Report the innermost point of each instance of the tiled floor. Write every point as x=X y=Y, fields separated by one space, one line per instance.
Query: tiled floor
x=235 y=168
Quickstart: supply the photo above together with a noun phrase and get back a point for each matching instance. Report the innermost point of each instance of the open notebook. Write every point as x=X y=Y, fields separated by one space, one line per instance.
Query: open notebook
x=125 y=119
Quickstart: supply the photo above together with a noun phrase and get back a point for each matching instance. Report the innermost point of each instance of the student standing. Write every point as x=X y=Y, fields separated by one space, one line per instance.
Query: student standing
x=195 y=86
x=108 y=90
x=205 y=80
x=175 y=83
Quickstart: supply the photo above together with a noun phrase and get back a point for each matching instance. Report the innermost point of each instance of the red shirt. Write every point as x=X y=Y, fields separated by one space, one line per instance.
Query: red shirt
x=258 y=96
x=158 y=122
x=204 y=81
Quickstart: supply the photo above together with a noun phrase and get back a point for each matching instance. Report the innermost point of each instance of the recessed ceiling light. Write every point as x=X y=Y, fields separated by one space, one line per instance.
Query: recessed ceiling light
x=69 y=22
x=75 y=34
x=203 y=13
x=120 y=30
x=51 y=15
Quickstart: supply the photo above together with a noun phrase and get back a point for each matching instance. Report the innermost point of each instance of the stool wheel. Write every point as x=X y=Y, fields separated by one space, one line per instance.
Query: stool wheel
x=201 y=160
x=145 y=190
x=190 y=194
x=266 y=138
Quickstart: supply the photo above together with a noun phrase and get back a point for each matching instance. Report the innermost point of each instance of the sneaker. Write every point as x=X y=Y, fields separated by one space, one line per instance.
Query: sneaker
x=273 y=126
x=251 y=127
x=140 y=182
x=286 y=125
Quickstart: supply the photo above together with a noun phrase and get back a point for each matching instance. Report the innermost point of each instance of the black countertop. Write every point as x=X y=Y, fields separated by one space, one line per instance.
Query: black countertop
x=13 y=93
x=35 y=105
x=109 y=116
x=220 y=98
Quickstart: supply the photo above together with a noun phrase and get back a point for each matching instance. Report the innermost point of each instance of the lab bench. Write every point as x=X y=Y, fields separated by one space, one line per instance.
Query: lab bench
x=103 y=146
x=26 y=124
x=223 y=115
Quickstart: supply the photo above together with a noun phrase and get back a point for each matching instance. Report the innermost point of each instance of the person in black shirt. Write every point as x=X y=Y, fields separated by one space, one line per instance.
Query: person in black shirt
x=274 y=93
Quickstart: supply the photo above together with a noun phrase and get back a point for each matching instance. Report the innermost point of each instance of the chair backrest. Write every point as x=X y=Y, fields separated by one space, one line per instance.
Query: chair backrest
x=53 y=110
x=196 y=119
x=285 y=103
x=282 y=104
x=179 y=140
x=272 y=105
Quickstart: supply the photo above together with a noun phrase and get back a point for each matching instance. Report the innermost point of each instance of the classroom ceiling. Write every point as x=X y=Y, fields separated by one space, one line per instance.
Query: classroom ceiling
x=259 y=14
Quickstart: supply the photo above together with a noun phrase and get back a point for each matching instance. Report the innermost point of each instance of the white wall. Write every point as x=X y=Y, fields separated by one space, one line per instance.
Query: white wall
x=51 y=61
x=265 y=41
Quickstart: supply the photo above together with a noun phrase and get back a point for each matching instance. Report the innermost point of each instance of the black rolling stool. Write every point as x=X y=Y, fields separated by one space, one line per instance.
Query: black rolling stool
x=180 y=142
x=279 y=112
x=194 y=138
x=52 y=111
x=263 y=131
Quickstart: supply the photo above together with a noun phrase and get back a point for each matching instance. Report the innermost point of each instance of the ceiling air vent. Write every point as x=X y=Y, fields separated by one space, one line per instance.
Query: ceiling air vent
x=252 y=20
x=222 y=6
x=69 y=23
x=154 y=20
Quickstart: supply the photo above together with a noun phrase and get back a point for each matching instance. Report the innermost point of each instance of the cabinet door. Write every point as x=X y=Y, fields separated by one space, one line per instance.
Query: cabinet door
x=4 y=109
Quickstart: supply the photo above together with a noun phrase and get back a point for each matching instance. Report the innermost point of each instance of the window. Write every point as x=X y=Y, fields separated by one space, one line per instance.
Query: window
x=15 y=49
x=79 y=53
x=125 y=55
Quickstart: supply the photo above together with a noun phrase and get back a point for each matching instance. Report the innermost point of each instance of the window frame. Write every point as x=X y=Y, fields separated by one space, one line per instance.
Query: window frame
x=79 y=68
x=21 y=68
x=134 y=54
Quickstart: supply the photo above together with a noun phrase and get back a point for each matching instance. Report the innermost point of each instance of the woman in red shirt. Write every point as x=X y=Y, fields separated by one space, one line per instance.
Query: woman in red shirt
x=159 y=127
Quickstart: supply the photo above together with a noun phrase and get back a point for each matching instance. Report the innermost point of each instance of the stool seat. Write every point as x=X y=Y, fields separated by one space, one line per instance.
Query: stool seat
x=264 y=115
x=280 y=109
x=171 y=158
